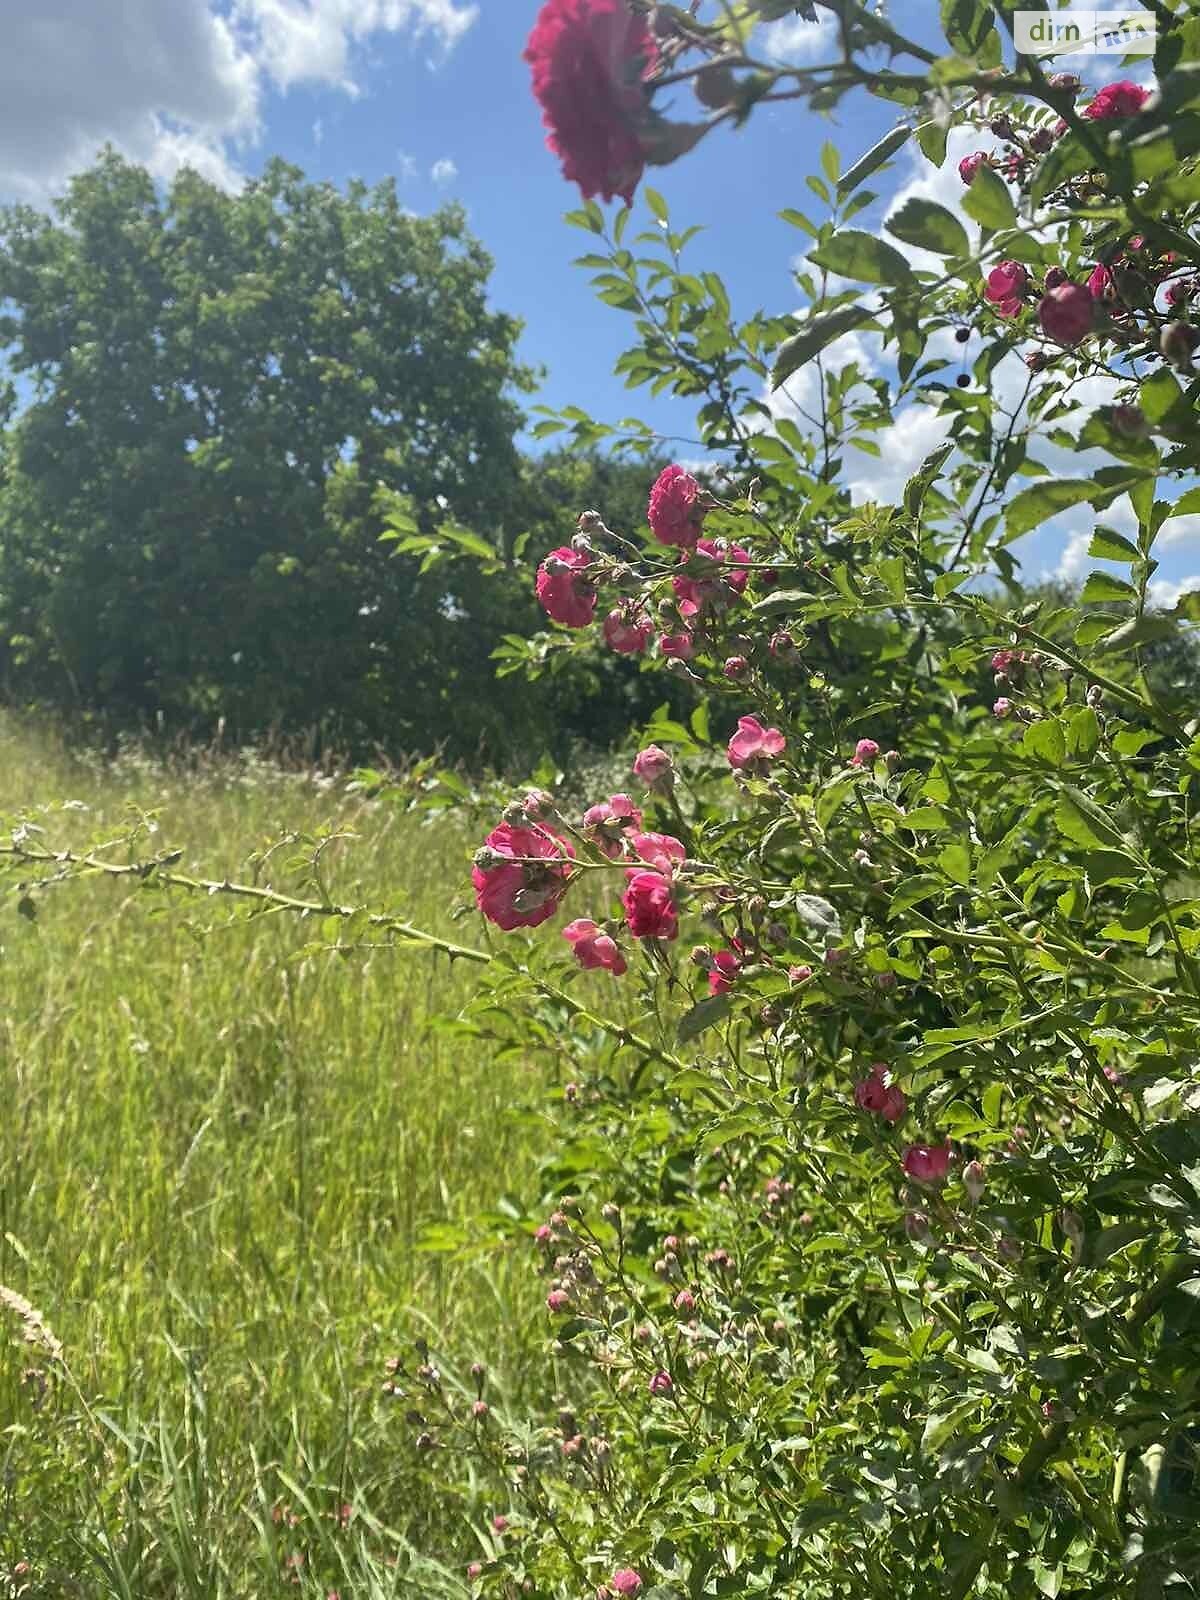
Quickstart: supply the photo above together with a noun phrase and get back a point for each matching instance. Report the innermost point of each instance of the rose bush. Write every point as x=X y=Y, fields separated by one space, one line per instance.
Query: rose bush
x=874 y=1241
x=869 y=1246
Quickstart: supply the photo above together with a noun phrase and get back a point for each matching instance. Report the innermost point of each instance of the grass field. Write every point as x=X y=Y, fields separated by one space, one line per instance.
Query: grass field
x=215 y=1160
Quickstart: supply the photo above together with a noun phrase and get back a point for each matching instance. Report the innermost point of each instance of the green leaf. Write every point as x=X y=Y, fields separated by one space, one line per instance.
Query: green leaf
x=818 y=332
x=872 y=161
x=1081 y=821
x=955 y=862
x=1066 y=160
x=1083 y=734
x=940 y=1425
x=968 y=25
x=1034 y=505
x=704 y=1014
x=831 y=163
x=1102 y=586
x=1159 y=395
x=931 y=136
x=988 y=201
x=852 y=254
x=929 y=226
x=1044 y=740
x=657 y=204
x=1109 y=545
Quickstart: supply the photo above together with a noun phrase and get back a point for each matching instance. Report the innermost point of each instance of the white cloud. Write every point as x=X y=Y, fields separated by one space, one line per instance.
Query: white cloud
x=793 y=40
x=1177 y=531
x=443 y=171
x=174 y=82
x=917 y=431
x=310 y=41
x=1074 y=560
x=406 y=166
x=161 y=82
x=1165 y=593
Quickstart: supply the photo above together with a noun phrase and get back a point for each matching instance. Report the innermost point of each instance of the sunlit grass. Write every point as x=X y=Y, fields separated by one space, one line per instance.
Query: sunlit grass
x=217 y=1157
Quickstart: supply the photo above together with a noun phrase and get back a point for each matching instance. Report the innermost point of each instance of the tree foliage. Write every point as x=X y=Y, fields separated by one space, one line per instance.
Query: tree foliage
x=226 y=400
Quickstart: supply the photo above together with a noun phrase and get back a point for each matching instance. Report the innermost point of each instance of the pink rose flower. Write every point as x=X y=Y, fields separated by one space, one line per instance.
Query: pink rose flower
x=558 y=1300
x=735 y=667
x=1100 y=284
x=673 y=513
x=589 y=61
x=725 y=968
x=607 y=823
x=593 y=948
x=970 y=165
x=927 y=1163
x=660 y=1384
x=697 y=594
x=677 y=646
x=1002 y=707
x=1006 y=281
x=628 y=633
x=516 y=893
x=661 y=851
x=564 y=595
x=654 y=767
x=799 y=974
x=1067 y=313
x=866 y=753
x=754 y=745
x=625 y=1581
x=650 y=909
x=1122 y=99
x=877 y=1093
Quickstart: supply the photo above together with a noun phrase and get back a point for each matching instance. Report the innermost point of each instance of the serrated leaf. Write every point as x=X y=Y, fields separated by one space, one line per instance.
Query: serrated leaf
x=1103 y=586
x=988 y=201
x=704 y=1014
x=1034 y=505
x=929 y=226
x=1044 y=740
x=1109 y=545
x=813 y=338
x=862 y=256
x=1078 y=819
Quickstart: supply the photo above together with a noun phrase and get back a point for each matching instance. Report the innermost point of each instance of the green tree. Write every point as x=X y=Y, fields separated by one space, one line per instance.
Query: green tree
x=220 y=389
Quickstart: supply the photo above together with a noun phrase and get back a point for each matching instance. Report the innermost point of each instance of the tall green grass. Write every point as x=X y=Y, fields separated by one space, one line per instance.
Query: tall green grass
x=217 y=1155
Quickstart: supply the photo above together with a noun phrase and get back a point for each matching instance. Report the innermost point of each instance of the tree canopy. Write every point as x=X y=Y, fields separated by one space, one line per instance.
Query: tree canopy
x=221 y=398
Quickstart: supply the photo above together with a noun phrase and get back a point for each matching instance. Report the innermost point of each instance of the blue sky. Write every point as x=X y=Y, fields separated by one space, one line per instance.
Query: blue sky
x=435 y=93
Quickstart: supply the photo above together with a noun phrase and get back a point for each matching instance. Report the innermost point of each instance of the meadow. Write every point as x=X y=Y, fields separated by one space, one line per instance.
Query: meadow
x=217 y=1159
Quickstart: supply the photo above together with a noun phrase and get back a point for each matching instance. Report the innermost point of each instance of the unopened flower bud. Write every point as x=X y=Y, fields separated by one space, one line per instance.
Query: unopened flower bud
x=590 y=522
x=974 y=1180
x=714 y=86
x=916 y=1226
x=1130 y=422
x=736 y=667
x=1177 y=343
x=1071 y=1224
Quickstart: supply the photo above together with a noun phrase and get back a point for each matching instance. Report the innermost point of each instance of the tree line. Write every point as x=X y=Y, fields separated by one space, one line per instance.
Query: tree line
x=214 y=406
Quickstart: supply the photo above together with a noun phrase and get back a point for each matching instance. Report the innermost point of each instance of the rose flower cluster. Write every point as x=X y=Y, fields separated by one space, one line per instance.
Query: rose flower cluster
x=1137 y=293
